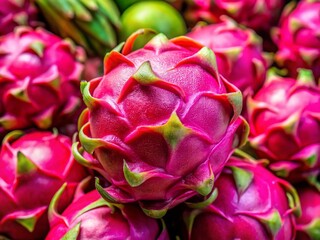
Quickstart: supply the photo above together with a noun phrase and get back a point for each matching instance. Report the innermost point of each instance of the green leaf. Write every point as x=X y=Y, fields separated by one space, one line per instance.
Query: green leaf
x=80 y=11
x=110 y=9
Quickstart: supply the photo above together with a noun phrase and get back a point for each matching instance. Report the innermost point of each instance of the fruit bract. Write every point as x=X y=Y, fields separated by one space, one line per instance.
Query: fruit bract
x=298 y=38
x=91 y=217
x=284 y=118
x=252 y=203
x=39 y=79
x=238 y=51
x=161 y=121
x=308 y=225
x=33 y=167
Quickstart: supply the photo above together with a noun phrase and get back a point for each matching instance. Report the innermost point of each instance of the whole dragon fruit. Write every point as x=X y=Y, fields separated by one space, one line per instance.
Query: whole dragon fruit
x=259 y=15
x=161 y=121
x=92 y=24
x=298 y=38
x=251 y=203
x=39 y=79
x=308 y=225
x=91 y=217
x=238 y=51
x=33 y=168
x=14 y=13
x=284 y=118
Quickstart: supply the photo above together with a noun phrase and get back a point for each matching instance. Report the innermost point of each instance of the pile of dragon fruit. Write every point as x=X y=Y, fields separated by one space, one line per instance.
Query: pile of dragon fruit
x=158 y=120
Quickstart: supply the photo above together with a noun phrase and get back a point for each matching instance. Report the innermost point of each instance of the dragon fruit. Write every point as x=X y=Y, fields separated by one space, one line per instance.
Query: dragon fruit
x=238 y=51
x=259 y=15
x=160 y=116
x=91 y=217
x=34 y=166
x=308 y=225
x=14 y=13
x=39 y=79
x=298 y=38
x=284 y=118
x=92 y=24
x=252 y=203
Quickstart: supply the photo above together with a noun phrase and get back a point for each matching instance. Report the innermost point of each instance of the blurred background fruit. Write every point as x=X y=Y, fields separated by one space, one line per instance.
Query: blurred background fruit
x=92 y=217
x=297 y=38
x=15 y=13
x=284 y=119
x=251 y=203
x=34 y=166
x=156 y=15
x=238 y=51
x=40 y=77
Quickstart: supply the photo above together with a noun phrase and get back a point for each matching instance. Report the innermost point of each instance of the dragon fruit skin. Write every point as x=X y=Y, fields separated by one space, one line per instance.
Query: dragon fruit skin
x=14 y=13
x=238 y=51
x=259 y=15
x=298 y=38
x=252 y=203
x=40 y=79
x=284 y=118
x=308 y=225
x=91 y=217
x=152 y=120
x=34 y=167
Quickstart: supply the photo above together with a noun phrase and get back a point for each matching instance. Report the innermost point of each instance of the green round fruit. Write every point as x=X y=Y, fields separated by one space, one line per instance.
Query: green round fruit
x=157 y=15
x=124 y=4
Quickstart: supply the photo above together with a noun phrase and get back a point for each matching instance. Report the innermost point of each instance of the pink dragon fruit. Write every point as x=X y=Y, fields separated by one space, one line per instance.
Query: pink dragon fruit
x=308 y=225
x=284 y=118
x=91 y=217
x=33 y=168
x=160 y=116
x=14 y=13
x=39 y=79
x=298 y=38
x=255 y=14
x=238 y=51
x=251 y=203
